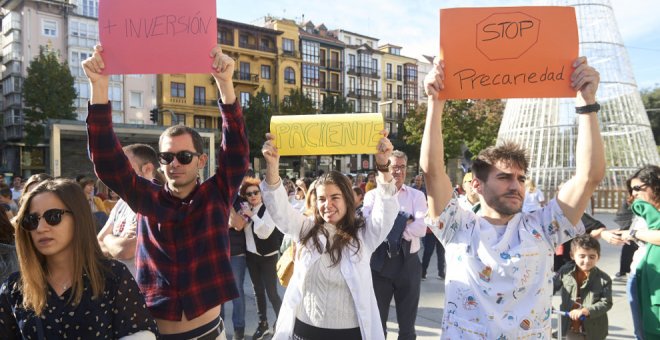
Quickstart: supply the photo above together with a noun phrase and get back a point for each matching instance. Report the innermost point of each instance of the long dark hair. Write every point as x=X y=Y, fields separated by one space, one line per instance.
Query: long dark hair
x=347 y=227
x=6 y=229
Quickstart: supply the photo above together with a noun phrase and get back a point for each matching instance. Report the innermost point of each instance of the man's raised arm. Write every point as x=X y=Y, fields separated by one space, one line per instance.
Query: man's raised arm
x=432 y=155
x=590 y=152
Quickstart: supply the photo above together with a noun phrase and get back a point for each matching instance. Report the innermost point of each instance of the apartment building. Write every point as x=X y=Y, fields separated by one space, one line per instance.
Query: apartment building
x=398 y=72
x=288 y=62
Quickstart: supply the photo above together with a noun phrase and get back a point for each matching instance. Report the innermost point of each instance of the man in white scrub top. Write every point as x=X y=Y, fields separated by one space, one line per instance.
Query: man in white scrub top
x=499 y=261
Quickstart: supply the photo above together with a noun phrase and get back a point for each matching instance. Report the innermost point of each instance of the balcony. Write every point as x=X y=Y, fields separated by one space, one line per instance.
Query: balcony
x=393 y=76
x=290 y=81
x=410 y=79
x=363 y=71
x=178 y=100
x=333 y=64
x=226 y=41
x=290 y=53
x=246 y=78
x=258 y=47
x=201 y=102
x=363 y=94
x=330 y=86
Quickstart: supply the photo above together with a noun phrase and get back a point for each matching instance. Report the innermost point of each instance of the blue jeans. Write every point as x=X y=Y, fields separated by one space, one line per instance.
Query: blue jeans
x=633 y=299
x=238 y=265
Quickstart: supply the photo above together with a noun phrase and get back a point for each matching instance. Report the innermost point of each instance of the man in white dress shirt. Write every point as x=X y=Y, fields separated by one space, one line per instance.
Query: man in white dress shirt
x=401 y=274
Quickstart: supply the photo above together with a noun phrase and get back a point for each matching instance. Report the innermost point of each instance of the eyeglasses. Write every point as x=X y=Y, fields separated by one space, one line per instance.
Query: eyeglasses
x=52 y=216
x=184 y=157
x=252 y=193
x=398 y=167
x=639 y=187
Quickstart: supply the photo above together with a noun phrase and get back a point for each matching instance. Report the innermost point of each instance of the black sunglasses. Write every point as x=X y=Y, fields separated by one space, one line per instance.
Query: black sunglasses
x=52 y=216
x=184 y=157
x=252 y=193
x=639 y=187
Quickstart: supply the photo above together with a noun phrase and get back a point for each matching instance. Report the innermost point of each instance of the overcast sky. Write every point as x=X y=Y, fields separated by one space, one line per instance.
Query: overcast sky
x=413 y=24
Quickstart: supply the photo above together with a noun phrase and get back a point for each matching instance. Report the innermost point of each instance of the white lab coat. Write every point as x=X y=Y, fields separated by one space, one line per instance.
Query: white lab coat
x=354 y=267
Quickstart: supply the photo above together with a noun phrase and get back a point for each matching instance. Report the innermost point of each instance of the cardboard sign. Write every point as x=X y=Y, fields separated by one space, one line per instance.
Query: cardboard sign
x=327 y=134
x=164 y=36
x=508 y=52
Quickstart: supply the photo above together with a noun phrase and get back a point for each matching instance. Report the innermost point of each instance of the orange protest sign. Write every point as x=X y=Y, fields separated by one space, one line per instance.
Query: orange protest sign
x=508 y=52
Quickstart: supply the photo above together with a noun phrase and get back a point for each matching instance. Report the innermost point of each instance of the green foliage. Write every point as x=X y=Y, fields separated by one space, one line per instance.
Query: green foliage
x=48 y=93
x=651 y=99
x=257 y=119
x=336 y=104
x=296 y=103
x=473 y=123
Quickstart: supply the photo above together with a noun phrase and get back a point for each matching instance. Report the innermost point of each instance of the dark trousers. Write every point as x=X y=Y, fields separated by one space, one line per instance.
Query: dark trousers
x=264 y=281
x=431 y=242
x=627 y=252
x=405 y=288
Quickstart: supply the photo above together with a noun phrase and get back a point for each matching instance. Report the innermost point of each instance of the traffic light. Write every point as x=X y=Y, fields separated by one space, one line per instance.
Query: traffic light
x=154 y=115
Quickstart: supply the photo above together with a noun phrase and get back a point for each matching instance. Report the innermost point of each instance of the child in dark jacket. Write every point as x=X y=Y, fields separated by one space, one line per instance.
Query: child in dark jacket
x=585 y=291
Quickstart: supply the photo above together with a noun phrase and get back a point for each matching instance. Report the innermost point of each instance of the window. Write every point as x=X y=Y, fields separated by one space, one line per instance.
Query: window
x=245 y=71
x=200 y=95
x=245 y=99
x=399 y=91
x=136 y=99
x=348 y=40
x=178 y=118
x=82 y=88
x=49 y=27
x=334 y=59
x=351 y=84
x=76 y=58
x=289 y=75
x=389 y=71
x=310 y=52
x=115 y=93
x=83 y=34
x=226 y=36
x=374 y=65
x=202 y=122
x=389 y=91
x=351 y=61
x=322 y=57
x=374 y=107
x=265 y=71
x=178 y=90
x=358 y=41
x=310 y=75
x=399 y=72
x=322 y=80
x=90 y=8
x=334 y=84
x=287 y=46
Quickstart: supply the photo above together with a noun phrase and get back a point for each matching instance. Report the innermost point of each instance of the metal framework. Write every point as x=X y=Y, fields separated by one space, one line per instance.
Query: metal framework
x=548 y=126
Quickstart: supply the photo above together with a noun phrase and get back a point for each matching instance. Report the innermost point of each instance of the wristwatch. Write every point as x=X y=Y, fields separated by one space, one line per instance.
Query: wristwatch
x=633 y=235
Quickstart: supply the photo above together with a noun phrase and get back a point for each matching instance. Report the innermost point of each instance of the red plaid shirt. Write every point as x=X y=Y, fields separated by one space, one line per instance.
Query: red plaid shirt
x=183 y=244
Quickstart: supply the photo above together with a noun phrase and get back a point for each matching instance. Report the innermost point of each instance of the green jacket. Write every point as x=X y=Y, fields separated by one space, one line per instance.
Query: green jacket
x=648 y=273
x=596 y=294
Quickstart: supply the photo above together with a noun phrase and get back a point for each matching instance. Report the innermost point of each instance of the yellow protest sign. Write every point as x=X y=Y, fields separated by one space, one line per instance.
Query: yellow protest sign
x=327 y=134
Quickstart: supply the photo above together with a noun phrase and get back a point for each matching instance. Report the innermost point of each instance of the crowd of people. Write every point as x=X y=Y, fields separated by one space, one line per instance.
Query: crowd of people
x=166 y=250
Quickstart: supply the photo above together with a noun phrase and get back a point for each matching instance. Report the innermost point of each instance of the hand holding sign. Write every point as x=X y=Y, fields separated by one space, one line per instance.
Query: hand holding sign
x=508 y=52
x=384 y=148
x=93 y=68
x=223 y=71
x=434 y=81
x=585 y=80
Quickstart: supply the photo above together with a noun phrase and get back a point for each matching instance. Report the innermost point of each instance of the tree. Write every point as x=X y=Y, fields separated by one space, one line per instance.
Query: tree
x=296 y=103
x=651 y=99
x=471 y=123
x=48 y=93
x=257 y=117
x=336 y=104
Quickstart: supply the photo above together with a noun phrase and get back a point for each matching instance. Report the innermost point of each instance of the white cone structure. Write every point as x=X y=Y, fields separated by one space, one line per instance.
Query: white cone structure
x=547 y=127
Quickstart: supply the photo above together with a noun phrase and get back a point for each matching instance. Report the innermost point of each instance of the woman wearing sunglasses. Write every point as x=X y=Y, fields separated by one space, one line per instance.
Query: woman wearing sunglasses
x=330 y=295
x=644 y=281
x=263 y=241
x=65 y=287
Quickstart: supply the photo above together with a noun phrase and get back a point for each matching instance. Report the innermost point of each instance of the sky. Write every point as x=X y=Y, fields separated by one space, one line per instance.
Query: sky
x=413 y=24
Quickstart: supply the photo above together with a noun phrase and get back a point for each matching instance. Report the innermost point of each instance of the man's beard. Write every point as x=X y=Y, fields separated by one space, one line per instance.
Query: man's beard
x=498 y=205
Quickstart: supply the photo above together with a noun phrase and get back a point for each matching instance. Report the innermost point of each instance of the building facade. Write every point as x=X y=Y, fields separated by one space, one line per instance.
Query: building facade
x=399 y=74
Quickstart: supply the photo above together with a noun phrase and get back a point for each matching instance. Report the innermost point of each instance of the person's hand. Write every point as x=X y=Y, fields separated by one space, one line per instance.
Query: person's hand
x=93 y=68
x=575 y=314
x=612 y=237
x=625 y=236
x=236 y=221
x=384 y=148
x=269 y=150
x=434 y=80
x=584 y=80
x=246 y=211
x=223 y=66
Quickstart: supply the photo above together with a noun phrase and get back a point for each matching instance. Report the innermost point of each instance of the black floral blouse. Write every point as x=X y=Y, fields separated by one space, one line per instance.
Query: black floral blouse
x=119 y=312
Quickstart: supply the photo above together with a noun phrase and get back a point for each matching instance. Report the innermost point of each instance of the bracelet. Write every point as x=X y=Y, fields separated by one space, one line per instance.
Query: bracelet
x=595 y=107
x=633 y=235
x=384 y=168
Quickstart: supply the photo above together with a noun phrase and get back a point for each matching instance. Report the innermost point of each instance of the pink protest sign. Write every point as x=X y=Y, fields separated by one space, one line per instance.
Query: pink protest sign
x=163 y=36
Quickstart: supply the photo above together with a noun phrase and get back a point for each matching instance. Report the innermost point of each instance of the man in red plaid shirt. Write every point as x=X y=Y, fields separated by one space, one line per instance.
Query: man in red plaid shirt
x=183 y=249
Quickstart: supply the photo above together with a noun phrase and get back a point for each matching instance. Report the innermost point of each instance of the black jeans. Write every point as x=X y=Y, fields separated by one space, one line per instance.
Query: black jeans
x=431 y=242
x=264 y=281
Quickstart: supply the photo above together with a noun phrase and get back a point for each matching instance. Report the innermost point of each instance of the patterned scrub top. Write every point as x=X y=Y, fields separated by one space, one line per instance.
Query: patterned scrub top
x=499 y=284
x=119 y=312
